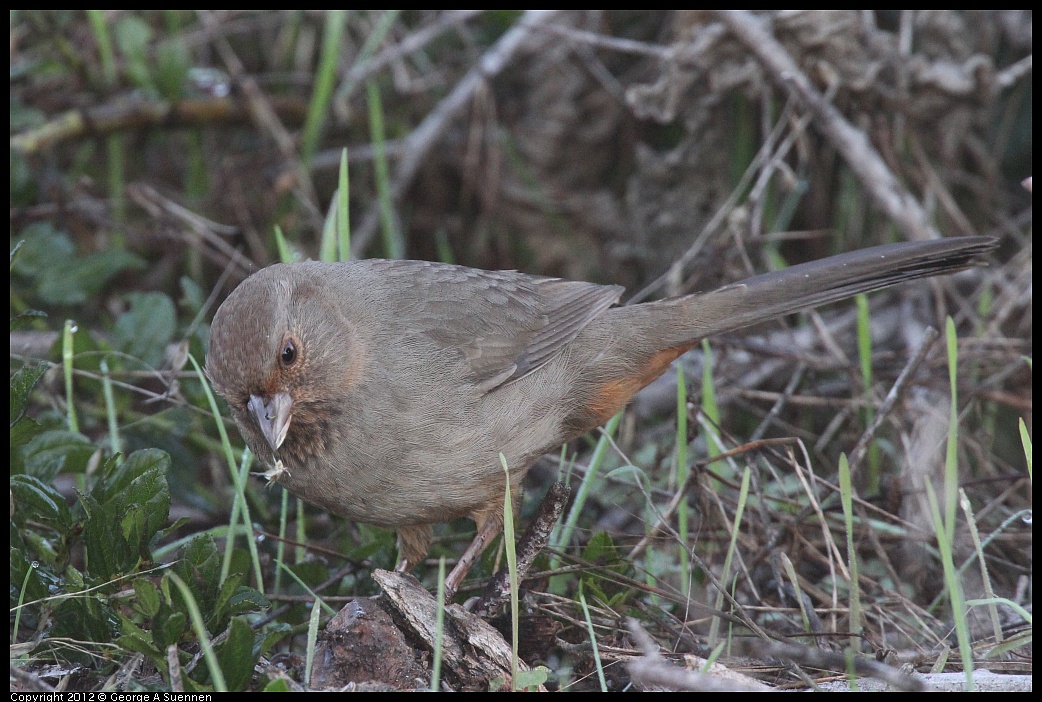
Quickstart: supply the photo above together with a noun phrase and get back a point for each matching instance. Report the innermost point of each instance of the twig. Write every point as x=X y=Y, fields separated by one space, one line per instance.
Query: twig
x=531 y=544
x=680 y=494
x=600 y=41
x=125 y=115
x=654 y=671
x=261 y=109
x=863 y=160
x=410 y=44
x=830 y=660
x=783 y=399
x=896 y=391
x=424 y=137
x=763 y=155
x=1011 y=74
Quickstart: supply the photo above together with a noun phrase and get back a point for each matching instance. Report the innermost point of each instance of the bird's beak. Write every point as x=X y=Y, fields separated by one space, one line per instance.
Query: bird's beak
x=273 y=417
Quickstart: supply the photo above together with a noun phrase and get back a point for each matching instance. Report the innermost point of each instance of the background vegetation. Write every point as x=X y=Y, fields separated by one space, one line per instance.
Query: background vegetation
x=157 y=157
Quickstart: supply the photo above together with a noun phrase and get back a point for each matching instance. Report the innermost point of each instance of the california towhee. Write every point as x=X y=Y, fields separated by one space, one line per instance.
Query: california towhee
x=387 y=390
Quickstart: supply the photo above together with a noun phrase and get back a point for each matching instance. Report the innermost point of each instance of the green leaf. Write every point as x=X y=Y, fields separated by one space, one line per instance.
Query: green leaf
x=84 y=617
x=128 y=627
x=592 y=586
x=133 y=36
x=199 y=558
x=531 y=678
x=192 y=296
x=277 y=685
x=195 y=687
x=22 y=383
x=173 y=527
x=147 y=601
x=25 y=318
x=22 y=432
x=24 y=187
x=237 y=655
x=147 y=509
x=200 y=569
x=140 y=464
x=170 y=628
x=55 y=451
x=134 y=638
x=60 y=277
x=601 y=550
x=35 y=588
x=273 y=633
x=246 y=600
x=136 y=644
x=311 y=573
x=172 y=64
x=84 y=278
x=219 y=610
x=374 y=544
x=43 y=247
x=145 y=329
x=128 y=506
x=33 y=499
x=106 y=553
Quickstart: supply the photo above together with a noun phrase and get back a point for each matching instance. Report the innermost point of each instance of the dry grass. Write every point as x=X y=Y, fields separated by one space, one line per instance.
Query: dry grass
x=666 y=151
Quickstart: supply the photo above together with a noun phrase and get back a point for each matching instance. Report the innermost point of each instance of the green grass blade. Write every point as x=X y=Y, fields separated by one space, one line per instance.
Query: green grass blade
x=343 y=212
x=67 y=368
x=238 y=480
x=394 y=246
x=212 y=665
x=846 y=497
x=439 y=629
x=563 y=535
x=593 y=639
x=511 y=553
x=725 y=574
x=325 y=78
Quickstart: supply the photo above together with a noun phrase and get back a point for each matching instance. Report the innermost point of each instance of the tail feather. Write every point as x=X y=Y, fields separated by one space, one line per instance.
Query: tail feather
x=807 y=285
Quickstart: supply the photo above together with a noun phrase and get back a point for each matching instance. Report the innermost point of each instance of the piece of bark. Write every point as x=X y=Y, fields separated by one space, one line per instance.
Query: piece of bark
x=362 y=646
x=474 y=655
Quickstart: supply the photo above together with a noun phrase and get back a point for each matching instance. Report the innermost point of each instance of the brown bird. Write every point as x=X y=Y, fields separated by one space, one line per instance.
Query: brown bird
x=385 y=391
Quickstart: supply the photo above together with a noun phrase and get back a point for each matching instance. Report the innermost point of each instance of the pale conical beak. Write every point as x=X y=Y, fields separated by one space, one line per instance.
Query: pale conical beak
x=273 y=417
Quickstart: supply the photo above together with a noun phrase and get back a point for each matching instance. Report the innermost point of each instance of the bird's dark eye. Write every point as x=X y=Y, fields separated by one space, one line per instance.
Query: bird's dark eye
x=289 y=353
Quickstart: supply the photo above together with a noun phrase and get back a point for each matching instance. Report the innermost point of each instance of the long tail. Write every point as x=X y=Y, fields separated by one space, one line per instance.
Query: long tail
x=644 y=339
x=807 y=285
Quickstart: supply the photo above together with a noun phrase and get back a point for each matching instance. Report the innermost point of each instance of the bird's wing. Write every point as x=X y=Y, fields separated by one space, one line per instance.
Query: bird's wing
x=504 y=324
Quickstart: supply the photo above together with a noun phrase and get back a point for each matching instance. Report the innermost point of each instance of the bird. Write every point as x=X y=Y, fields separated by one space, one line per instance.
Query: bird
x=387 y=391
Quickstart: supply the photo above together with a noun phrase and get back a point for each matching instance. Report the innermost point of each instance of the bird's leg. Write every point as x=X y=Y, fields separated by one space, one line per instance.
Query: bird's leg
x=414 y=542
x=531 y=544
x=489 y=524
x=489 y=521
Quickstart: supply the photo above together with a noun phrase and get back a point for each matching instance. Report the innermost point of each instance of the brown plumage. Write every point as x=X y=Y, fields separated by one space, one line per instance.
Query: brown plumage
x=388 y=389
